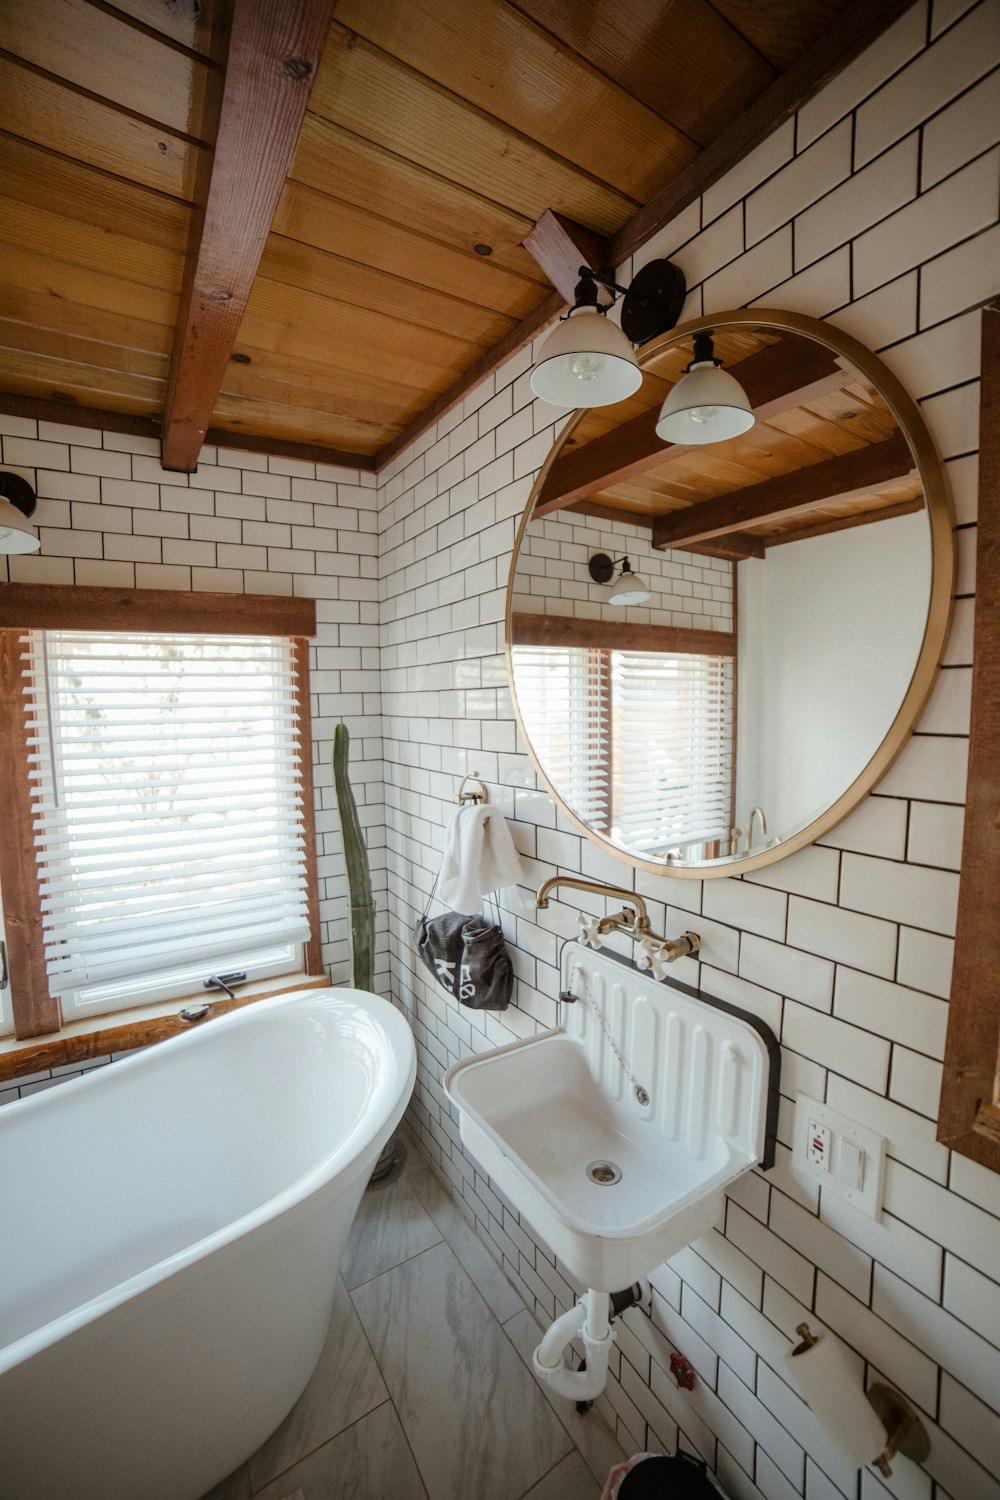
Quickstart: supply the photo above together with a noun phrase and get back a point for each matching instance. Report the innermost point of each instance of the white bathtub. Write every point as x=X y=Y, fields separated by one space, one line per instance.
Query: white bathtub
x=170 y=1228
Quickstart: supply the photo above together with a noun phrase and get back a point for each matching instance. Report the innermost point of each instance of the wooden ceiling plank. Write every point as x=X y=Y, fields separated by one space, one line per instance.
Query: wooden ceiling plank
x=76 y=350
x=797 y=493
x=82 y=129
x=193 y=26
x=273 y=55
x=283 y=317
x=844 y=523
x=369 y=93
x=63 y=379
x=856 y=28
x=291 y=381
x=561 y=247
x=682 y=60
x=31 y=272
x=276 y=447
x=87 y=247
x=37 y=178
x=356 y=171
x=343 y=229
x=780 y=30
x=771 y=378
x=470 y=46
x=59 y=315
x=263 y=419
x=313 y=270
x=93 y=49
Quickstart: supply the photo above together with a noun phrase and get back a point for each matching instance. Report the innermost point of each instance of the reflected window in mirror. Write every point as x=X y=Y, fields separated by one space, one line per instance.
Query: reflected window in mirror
x=813 y=553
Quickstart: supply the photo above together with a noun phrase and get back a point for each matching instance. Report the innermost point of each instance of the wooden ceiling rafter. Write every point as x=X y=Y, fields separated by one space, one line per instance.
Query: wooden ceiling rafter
x=829 y=482
x=856 y=28
x=273 y=57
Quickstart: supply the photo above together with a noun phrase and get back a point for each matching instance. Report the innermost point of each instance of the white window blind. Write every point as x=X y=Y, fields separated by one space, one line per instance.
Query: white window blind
x=639 y=744
x=672 y=718
x=167 y=806
x=563 y=693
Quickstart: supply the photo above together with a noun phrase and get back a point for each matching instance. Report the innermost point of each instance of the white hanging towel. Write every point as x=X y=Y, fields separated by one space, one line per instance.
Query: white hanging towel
x=479 y=857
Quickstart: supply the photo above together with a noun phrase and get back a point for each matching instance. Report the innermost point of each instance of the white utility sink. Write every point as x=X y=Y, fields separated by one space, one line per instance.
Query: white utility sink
x=554 y=1119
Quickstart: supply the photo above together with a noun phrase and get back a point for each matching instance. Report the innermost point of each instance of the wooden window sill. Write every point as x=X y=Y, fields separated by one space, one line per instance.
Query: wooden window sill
x=121 y=1031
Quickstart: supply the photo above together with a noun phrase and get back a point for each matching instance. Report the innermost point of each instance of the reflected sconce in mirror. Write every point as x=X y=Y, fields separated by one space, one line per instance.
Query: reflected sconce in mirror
x=628 y=587
x=17 y=504
x=706 y=405
x=587 y=361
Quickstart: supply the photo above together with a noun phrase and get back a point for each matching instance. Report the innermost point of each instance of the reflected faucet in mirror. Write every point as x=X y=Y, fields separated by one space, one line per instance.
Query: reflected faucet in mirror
x=633 y=923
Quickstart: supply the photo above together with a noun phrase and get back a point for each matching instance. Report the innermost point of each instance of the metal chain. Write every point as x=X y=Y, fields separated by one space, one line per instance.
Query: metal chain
x=641 y=1094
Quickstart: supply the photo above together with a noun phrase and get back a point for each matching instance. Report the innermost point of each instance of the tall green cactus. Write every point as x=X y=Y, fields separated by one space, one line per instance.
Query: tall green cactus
x=359 y=881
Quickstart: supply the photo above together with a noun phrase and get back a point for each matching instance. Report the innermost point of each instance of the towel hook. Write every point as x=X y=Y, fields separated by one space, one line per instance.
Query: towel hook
x=463 y=796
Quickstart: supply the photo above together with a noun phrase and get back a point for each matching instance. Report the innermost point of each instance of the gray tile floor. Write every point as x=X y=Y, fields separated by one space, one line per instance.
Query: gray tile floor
x=424 y=1390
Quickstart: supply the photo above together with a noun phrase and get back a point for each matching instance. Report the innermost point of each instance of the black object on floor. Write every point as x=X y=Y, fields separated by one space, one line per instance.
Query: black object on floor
x=679 y=1478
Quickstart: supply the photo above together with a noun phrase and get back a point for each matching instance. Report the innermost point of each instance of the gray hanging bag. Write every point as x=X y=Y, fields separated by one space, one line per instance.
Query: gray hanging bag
x=467 y=956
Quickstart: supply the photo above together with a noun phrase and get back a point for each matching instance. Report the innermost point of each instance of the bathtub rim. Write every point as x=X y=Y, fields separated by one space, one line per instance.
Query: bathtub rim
x=299 y=1195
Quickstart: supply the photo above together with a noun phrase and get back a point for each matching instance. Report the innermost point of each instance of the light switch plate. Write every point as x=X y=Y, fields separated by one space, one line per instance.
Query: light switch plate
x=851 y=1163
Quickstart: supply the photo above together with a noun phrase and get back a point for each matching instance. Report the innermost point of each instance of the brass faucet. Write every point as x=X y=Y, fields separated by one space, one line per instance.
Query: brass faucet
x=635 y=923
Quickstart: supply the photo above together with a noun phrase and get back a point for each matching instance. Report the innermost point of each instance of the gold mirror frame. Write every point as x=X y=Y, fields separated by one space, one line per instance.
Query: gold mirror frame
x=941 y=519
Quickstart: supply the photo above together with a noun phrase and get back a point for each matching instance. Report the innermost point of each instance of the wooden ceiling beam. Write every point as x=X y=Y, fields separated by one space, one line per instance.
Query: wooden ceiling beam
x=846 y=523
x=853 y=31
x=561 y=247
x=734 y=548
x=274 y=52
x=779 y=376
x=834 y=479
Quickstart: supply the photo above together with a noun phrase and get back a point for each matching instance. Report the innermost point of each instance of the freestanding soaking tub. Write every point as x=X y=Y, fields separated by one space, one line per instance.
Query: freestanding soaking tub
x=170 y=1228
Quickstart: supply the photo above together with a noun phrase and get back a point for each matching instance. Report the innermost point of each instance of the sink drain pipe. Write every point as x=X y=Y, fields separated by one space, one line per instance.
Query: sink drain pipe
x=589 y=1320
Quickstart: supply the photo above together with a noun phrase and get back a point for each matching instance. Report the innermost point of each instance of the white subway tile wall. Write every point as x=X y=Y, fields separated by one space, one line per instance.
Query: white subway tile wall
x=877 y=208
x=243 y=524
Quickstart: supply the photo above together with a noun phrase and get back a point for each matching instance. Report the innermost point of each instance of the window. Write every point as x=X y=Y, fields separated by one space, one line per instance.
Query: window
x=166 y=798
x=638 y=743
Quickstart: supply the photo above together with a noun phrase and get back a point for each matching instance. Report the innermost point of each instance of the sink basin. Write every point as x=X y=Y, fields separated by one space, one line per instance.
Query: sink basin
x=616 y=1179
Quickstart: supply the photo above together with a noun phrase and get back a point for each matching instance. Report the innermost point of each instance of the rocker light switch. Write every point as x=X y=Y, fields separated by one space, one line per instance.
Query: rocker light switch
x=844 y=1157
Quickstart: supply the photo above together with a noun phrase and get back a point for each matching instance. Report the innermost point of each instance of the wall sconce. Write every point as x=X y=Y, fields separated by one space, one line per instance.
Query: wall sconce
x=628 y=588
x=17 y=503
x=587 y=361
x=706 y=405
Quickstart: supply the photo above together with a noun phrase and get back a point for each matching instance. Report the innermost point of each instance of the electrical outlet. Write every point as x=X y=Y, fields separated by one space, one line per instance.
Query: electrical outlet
x=844 y=1157
x=818 y=1145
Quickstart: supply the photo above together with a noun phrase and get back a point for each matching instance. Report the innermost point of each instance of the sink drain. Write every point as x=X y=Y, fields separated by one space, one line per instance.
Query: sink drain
x=604 y=1173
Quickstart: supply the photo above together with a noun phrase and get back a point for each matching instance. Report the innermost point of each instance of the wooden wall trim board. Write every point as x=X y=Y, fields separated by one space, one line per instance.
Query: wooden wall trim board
x=855 y=30
x=37 y=1012
x=845 y=477
x=274 y=53
x=69 y=414
x=777 y=377
x=969 y=1120
x=567 y=630
x=46 y=606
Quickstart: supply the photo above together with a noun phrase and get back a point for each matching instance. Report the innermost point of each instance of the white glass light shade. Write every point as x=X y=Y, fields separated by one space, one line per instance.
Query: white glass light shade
x=586 y=361
x=706 y=406
x=629 y=589
x=16 y=532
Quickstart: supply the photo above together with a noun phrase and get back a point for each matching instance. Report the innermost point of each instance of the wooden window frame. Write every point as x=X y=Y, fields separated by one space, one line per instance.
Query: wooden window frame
x=23 y=607
x=969 y=1119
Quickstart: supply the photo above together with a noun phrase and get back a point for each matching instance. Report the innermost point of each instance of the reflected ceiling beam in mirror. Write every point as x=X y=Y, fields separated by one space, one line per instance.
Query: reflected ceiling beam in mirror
x=561 y=247
x=788 y=373
x=733 y=548
x=619 y=635
x=845 y=477
x=839 y=523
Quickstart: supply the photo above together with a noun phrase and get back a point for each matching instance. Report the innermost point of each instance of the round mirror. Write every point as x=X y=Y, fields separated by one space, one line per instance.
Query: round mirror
x=717 y=646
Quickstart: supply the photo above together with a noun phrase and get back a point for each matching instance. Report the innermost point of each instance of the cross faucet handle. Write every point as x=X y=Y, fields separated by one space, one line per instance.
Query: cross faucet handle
x=654 y=957
x=590 y=934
